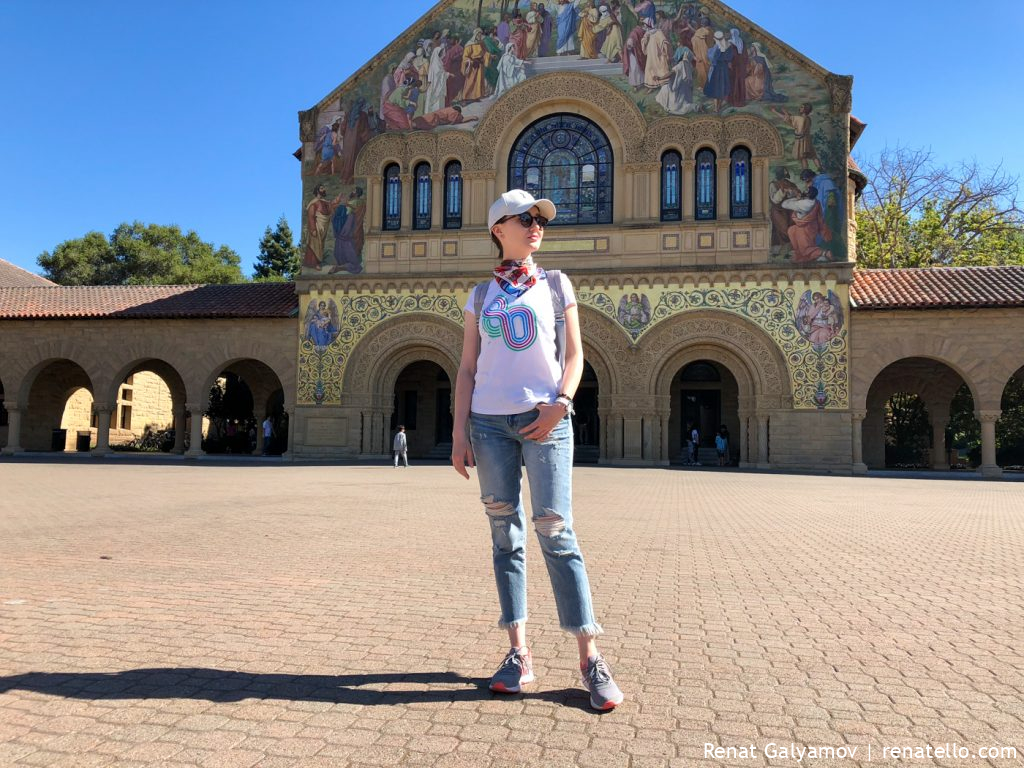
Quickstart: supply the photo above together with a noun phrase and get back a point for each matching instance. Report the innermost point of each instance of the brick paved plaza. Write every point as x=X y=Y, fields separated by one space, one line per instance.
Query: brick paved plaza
x=228 y=615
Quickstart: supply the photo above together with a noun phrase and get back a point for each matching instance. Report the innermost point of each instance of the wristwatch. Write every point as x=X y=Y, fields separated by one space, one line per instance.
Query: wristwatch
x=565 y=400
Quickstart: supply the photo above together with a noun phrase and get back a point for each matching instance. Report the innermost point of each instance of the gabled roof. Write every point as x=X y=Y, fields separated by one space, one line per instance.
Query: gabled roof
x=247 y=300
x=937 y=288
x=11 y=275
x=407 y=38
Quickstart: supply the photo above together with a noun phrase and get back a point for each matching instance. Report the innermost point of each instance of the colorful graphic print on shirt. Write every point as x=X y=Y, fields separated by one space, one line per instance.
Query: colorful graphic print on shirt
x=516 y=326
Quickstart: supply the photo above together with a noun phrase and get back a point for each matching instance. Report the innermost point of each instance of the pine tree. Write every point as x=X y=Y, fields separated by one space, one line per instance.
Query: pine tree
x=279 y=256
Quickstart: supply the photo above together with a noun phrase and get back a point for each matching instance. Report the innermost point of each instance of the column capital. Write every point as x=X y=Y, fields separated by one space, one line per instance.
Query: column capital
x=988 y=416
x=103 y=407
x=858 y=415
x=193 y=407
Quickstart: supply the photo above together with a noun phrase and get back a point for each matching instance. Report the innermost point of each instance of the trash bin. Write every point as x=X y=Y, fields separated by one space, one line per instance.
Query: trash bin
x=84 y=442
x=58 y=440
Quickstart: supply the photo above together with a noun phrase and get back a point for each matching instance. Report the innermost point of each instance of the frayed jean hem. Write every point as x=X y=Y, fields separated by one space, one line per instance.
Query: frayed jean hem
x=587 y=630
x=513 y=624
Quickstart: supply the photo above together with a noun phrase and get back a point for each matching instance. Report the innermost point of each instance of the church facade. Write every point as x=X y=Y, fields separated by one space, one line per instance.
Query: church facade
x=705 y=192
x=700 y=169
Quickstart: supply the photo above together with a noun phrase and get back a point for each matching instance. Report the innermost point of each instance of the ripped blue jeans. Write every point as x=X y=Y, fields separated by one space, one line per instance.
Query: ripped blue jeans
x=500 y=452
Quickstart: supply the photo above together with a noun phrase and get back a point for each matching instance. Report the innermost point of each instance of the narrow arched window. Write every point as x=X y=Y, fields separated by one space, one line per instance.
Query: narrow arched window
x=421 y=197
x=392 y=197
x=706 y=186
x=739 y=183
x=671 y=186
x=453 y=195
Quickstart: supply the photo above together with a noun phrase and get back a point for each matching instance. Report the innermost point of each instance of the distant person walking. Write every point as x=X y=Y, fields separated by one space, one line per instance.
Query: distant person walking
x=722 y=446
x=694 y=445
x=400 y=446
x=268 y=434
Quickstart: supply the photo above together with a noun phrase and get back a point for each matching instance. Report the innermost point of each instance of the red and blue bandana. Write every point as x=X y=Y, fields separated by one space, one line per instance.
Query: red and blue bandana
x=517 y=277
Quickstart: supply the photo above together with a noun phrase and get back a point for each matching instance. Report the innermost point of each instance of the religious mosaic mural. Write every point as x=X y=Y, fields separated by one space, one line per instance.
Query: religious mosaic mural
x=809 y=328
x=672 y=57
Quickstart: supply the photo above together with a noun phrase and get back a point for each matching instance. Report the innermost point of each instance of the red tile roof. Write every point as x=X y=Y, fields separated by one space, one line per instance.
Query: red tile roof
x=11 y=275
x=150 y=301
x=938 y=288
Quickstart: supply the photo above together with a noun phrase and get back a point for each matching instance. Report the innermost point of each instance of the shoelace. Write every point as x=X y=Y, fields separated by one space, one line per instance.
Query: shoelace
x=599 y=672
x=514 y=658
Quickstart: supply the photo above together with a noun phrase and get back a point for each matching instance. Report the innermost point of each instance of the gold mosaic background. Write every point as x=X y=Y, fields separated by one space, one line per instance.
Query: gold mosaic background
x=818 y=371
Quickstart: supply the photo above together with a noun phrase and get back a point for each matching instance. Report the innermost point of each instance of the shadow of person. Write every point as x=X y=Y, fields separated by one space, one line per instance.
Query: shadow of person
x=219 y=685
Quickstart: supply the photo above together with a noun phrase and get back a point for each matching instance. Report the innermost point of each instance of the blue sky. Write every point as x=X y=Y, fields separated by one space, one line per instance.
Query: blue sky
x=185 y=112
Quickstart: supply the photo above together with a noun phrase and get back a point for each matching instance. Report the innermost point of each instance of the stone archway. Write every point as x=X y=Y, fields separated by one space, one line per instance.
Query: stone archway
x=932 y=385
x=58 y=406
x=250 y=391
x=378 y=360
x=727 y=340
x=705 y=398
x=148 y=395
x=423 y=402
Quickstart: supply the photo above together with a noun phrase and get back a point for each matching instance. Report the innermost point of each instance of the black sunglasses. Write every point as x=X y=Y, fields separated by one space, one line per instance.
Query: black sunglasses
x=526 y=219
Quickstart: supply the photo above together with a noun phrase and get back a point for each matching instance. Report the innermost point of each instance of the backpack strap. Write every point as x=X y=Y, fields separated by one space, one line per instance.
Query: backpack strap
x=479 y=292
x=554 y=279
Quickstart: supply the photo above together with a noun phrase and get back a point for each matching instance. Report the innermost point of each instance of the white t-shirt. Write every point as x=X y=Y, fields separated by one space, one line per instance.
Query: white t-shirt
x=517 y=367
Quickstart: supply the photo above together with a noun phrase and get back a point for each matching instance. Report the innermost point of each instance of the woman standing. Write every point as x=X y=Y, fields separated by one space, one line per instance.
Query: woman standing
x=513 y=400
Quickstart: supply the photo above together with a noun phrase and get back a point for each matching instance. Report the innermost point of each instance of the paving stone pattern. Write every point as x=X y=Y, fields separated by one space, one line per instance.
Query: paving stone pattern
x=273 y=616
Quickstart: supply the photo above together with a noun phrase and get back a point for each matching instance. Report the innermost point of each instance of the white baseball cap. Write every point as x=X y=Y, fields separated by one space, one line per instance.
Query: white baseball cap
x=517 y=201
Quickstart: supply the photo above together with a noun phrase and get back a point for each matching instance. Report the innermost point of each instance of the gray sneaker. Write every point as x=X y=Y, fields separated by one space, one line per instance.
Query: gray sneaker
x=515 y=671
x=597 y=678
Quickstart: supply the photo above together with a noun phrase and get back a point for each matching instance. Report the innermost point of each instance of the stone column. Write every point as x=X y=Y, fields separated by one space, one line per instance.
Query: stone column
x=723 y=192
x=289 y=414
x=762 y=441
x=744 y=441
x=857 y=424
x=103 y=411
x=13 y=430
x=612 y=429
x=940 y=456
x=664 y=458
x=258 y=450
x=195 y=449
x=988 y=420
x=759 y=167
x=437 y=199
x=689 y=181
x=407 y=184
x=180 y=415
x=873 y=437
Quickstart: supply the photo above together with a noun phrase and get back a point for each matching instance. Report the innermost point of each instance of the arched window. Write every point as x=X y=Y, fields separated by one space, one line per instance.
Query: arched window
x=706 y=186
x=739 y=183
x=421 y=197
x=671 y=186
x=392 y=197
x=567 y=159
x=453 y=195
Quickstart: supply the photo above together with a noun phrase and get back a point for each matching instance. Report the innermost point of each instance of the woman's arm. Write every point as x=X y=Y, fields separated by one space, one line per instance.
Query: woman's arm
x=551 y=414
x=462 y=452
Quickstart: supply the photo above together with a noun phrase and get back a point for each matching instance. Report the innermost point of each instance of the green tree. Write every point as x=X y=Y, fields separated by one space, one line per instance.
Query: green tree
x=88 y=260
x=279 y=256
x=1010 y=427
x=917 y=213
x=141 y=254
x=907 y=431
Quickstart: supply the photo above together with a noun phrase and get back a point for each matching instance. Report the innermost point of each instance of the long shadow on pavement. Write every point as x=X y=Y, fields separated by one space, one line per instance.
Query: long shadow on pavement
x=220 y=685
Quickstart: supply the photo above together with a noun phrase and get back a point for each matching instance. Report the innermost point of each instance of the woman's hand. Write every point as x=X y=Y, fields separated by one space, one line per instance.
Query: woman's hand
x=549 y=416
x=462 y=454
